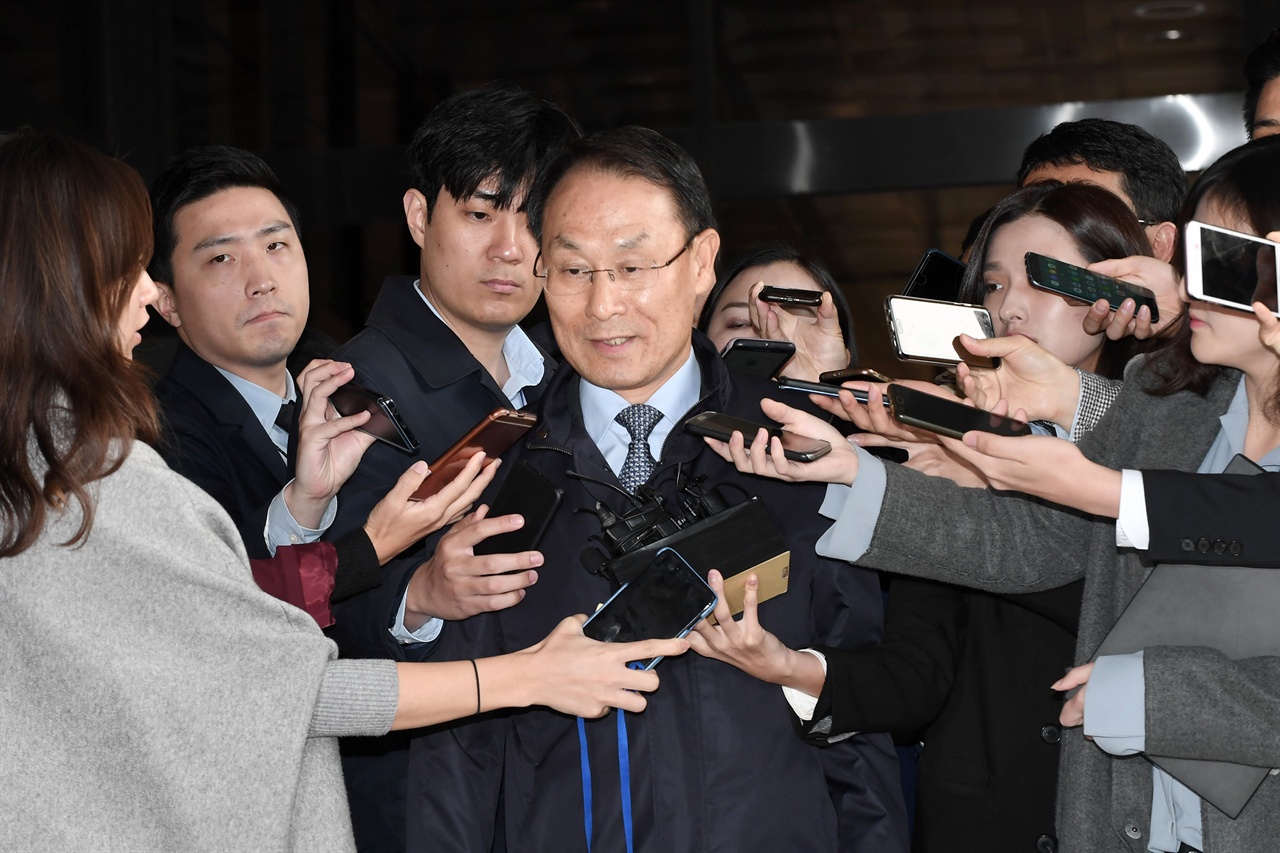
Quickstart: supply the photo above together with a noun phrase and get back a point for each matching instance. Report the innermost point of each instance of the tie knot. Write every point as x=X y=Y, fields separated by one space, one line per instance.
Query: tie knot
x=284 y=419
x=639 y=420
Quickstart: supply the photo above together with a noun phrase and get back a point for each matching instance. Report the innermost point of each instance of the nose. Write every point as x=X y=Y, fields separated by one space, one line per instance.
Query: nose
x=259 y=279
x=512 y=239
x=1012 y=302
x=604 y=298
x=150 y=292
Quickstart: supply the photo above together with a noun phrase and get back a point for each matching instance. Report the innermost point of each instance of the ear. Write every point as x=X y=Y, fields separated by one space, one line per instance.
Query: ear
x=1164 y=239
x=166 y=305
x=415 y=215
x=704 y=249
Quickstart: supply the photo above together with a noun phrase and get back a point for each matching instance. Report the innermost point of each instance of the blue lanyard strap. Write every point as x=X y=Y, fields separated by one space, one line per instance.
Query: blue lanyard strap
x=624 y=776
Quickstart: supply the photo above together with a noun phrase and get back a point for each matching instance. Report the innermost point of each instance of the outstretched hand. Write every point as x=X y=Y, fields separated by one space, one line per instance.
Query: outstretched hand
x=329 y=447
x=1029 y=378
x=820 y=344
x=1151 y=273
x=764 y=455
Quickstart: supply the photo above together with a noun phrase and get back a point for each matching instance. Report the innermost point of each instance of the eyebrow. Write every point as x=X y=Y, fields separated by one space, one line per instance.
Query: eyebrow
x=992 y=265
x=728 y=305
x=225 y=239
x=632 y=242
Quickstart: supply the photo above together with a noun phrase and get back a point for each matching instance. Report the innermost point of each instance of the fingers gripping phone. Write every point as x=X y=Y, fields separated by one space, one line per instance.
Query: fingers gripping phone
x=797 y=448
x=665 y=601
x=499 y=430
x=1229 y=268
x=925 y=330
x=948 y=417
x=1076 y=282
x=385 y=423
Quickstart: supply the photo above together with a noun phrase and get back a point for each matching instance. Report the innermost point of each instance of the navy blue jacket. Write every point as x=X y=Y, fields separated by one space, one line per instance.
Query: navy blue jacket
x=715 y=763
x=212 y=438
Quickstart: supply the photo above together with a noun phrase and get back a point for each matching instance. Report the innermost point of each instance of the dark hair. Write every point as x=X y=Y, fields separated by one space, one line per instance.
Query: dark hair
x=1101 y=225
x=782 y=253
x=1150 y=173
x=1245 y=181
x=501 y=132
x=632 y=152
x=1260 y=68
x=75 y=234
x=194 y=176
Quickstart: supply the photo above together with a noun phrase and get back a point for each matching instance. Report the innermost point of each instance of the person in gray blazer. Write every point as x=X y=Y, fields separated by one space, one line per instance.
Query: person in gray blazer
x=1211 y=394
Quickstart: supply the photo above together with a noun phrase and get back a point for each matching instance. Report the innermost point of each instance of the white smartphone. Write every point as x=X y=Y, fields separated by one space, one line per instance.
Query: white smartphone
x=1229 y=268
x=925 y=330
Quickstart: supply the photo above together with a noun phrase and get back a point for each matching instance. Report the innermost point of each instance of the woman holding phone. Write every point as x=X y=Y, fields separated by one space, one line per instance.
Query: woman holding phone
x=154 y=697
x=1214 y=392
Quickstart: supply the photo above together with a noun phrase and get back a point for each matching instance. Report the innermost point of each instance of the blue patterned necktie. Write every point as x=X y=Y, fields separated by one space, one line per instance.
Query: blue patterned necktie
x=639 y=420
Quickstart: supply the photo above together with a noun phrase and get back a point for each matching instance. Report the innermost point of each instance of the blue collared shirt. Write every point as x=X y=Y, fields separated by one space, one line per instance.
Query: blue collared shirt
x=282 y=528
x=674 y=399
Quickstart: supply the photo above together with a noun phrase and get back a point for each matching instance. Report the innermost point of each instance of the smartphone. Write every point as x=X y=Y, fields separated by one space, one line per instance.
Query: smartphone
x=665 y=601
x=786 y=383
x=925 y=330
x=526 y=493
x=1078 y=283
x=1229 y=268
x=499 y=430
x=936 y=277
x=948 y=417
x=789 y=297
x=853 y=374
x=797 y=448
x=385 y=423
x=757 y=357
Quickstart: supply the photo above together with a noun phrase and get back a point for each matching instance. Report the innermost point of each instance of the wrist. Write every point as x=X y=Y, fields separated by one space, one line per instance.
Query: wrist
x=804 y=672
x=417 y=598
x=1068 y=400
x=307 y=511
x=380 y=547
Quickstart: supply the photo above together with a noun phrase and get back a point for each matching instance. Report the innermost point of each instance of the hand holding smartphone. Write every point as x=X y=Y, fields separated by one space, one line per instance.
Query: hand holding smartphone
x=665 y=601
x=1079 y=283
x=499 y=430
x=797 y=448
x=384 y=424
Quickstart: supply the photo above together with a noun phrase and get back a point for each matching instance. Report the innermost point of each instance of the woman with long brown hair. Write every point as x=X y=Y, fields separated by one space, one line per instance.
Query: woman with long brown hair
x=153 y=697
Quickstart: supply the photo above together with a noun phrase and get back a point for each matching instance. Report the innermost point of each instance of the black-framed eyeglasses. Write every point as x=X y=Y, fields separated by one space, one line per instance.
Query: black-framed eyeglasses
x=638 y=275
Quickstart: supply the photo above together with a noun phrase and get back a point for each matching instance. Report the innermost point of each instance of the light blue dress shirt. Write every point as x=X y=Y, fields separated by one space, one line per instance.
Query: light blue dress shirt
x=282 y=528
x=527 y=366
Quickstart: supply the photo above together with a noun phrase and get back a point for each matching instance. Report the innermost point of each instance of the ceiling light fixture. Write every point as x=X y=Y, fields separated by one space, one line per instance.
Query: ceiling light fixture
x=1169 y=10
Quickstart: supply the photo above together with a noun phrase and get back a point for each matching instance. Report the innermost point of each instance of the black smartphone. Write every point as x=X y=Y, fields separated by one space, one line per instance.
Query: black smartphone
x=786 y=383
x=526 y=493
x=853 y=374
x=385 y=423
x=925 y=330
x=665 y=601
x=1078 y=283
x=797 y=448
x=757 y=357
x=948 y=417
x=937 y=277
x=790 y=297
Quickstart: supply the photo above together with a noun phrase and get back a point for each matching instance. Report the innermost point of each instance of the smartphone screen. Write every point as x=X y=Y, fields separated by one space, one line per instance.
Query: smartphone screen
x=798 y=448
x=526 y=493
x=1230 y=268
x=936 y=277
x=1078 y=283
x=665 y=601
x=925 y=330
x=948 y=417
x=757 y=357
x=384 y=424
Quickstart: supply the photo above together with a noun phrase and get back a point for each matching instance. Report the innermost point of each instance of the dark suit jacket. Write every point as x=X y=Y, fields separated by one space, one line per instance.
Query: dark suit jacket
x=714 y=761
x=212 y=438
x=1214 y=519
x=441 y=391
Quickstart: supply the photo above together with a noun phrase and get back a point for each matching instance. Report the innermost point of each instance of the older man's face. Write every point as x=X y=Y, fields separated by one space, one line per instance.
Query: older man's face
x=618 y=337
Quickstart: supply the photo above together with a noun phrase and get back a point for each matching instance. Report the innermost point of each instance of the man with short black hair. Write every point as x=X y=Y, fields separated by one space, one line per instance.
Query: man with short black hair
x=628 y=247
x=1262 y=95
x=1123 y=158
x=445 y=345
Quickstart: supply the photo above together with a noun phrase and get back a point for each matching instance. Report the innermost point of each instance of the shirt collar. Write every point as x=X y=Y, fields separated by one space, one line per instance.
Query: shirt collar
x=265 y=404
x=524 y=360
x=677 y=395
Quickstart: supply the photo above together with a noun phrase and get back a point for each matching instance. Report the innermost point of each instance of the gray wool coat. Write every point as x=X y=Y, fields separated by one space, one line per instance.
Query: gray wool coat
x=153 y=698
x=1199 y=704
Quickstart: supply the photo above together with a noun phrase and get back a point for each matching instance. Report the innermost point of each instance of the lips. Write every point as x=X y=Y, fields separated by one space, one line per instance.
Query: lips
x=266 y=316
x=502 y=285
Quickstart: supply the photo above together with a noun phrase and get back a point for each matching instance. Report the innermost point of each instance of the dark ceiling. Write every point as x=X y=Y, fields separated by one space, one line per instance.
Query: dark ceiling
x=329 y=91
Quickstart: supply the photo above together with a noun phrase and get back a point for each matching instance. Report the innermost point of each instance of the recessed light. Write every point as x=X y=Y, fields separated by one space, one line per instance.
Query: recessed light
x=1169 y=10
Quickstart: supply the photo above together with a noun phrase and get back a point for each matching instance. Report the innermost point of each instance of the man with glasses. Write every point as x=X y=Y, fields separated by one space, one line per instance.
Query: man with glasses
x=628 y=245
x=444 y=345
